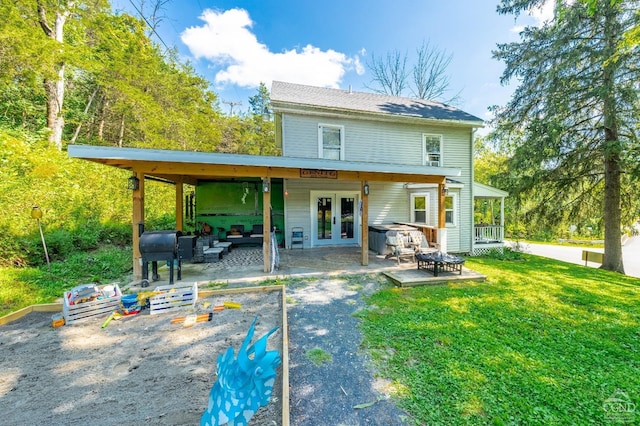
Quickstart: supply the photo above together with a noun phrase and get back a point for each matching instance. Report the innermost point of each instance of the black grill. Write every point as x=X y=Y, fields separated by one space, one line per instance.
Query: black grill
x=167 y=246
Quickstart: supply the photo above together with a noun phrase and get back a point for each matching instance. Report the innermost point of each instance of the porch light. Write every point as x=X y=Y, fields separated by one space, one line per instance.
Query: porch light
x=365 y=189
x=266 y=114
x=445 y=191
x=133 y=183
x=265 y=186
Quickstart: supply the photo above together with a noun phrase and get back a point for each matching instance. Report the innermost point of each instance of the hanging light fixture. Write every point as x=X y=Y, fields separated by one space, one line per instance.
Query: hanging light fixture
x=133 y=183
x=265 y=186
x=365 y=189
x=445 y=191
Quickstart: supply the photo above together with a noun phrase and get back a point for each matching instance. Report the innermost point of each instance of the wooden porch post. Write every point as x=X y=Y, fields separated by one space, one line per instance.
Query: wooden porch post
x=266 y=223
x=138 y=218
x=179 y=205
x=364 y=194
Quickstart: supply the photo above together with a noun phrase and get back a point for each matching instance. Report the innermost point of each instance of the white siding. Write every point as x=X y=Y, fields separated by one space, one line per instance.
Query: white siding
x=382 y=142
x=458 y=152
x=388 y=202
x=367 y=141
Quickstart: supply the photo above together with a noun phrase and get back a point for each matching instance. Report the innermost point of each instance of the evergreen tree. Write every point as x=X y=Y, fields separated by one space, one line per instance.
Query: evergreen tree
x=571 y=125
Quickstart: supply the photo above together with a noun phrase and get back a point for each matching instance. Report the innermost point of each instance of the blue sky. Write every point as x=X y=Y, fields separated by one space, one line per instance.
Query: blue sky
x=237 y=44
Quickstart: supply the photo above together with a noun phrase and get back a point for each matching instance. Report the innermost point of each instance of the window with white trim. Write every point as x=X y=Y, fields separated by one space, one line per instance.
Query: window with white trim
x=450 y=209
x=432 y=150
x=331 y=142
x=420 y=208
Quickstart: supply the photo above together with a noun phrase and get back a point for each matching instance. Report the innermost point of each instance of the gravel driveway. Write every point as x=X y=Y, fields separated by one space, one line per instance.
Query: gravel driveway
x=320 y=317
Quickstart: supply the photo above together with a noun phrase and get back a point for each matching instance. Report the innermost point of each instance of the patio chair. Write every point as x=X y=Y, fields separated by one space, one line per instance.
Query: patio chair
x=399 y=248
x=420 y=243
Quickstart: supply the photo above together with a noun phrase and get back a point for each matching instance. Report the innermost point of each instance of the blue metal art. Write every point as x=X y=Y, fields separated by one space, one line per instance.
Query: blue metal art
x=244 y=384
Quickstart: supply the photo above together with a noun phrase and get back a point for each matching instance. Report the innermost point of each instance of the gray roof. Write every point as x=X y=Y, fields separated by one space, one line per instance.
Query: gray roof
x=283 y=94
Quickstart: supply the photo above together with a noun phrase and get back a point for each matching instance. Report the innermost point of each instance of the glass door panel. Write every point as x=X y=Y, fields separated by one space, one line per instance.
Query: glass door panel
x=347 y=217
x=336 y=218
x=325 y=218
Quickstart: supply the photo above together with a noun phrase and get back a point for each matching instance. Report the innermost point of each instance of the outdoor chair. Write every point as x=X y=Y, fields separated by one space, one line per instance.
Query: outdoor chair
x=399 y=248
x=420 y=243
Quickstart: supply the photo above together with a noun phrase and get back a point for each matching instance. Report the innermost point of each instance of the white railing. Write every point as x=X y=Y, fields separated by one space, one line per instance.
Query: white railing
x=489 y=233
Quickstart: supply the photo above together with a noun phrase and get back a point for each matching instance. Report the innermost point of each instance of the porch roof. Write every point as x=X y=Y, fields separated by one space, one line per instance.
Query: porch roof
x=189 y=167
x=481 y=190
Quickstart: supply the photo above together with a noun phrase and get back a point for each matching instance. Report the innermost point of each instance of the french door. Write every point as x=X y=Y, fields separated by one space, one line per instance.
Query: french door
x=335 y=217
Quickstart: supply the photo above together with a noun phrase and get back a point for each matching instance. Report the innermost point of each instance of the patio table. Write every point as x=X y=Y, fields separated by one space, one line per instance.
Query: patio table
x=438 y=261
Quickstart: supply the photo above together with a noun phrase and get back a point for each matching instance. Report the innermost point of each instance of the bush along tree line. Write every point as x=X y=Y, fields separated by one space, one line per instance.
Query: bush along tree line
x=75 y=72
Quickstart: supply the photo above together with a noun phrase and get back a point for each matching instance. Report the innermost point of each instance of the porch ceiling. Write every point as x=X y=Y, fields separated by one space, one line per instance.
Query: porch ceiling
x=190 y=167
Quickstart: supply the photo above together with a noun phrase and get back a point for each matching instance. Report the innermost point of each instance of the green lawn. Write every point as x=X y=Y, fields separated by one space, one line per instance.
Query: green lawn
x=541 y=342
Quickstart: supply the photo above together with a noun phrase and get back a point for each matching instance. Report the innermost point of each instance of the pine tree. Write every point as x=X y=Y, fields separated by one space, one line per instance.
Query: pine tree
x=571 y=124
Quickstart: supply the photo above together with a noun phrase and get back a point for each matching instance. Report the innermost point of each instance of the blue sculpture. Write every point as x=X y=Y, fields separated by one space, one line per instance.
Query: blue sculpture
x=244 y=384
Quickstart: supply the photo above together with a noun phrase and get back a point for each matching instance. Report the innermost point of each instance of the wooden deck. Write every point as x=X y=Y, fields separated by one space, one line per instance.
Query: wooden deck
x=413 y=277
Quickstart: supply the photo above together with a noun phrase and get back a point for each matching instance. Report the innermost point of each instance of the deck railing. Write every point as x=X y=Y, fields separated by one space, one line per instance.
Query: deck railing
x=488 y=234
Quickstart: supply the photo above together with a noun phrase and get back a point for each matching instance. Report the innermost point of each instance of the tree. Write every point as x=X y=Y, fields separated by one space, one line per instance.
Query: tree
x=427 y=79
x=260 y=103
x=261 y=134
x=389 y=74
x=570 y=125
x=52 y=18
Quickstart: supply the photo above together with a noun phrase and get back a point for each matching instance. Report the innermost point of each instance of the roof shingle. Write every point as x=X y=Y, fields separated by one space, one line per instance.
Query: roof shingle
x=312 y=96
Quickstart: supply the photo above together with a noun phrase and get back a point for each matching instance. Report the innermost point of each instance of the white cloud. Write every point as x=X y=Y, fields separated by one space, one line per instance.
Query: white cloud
x=538 y=15
x=543 y=13
x=226 y=40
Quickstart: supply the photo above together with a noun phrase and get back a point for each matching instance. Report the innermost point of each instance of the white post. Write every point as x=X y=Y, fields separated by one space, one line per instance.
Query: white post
x=442 y=239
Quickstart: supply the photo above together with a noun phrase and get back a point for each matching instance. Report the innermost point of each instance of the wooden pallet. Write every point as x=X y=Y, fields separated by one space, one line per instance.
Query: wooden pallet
x=90 y=310
x=173 y=298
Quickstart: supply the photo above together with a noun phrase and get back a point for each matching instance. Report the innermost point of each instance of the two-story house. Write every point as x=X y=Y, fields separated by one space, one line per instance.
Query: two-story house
x=423 y=137
x=350 y=162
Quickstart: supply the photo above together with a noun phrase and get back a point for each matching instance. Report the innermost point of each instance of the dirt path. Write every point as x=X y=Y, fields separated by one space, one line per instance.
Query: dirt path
x=320 y=317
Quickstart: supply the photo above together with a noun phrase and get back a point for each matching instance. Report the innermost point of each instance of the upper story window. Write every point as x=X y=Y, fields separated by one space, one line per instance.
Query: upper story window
x=331 y=142
x=432 y=150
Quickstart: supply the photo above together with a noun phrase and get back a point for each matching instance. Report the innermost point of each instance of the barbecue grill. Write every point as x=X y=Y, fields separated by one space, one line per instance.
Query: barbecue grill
x=167 y=246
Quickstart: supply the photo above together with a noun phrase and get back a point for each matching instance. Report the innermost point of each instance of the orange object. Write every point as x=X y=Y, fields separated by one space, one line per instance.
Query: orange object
x=199 y=318
x=57 y=320
x=218 y=308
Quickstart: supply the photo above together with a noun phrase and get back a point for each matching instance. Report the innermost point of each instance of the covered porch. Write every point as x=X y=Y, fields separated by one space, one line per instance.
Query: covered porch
x=488 y=215
x=180 y=167
x=243 y=267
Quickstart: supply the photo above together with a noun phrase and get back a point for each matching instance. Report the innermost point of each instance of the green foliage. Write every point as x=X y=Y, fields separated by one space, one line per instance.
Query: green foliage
x=83 y=204
x=571 y=126
x=21 y=287
x=319 y=357
x=506 y=253
x=541 y=342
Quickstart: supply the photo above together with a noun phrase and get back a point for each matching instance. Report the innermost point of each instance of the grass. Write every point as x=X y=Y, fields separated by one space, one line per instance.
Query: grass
x=21 y=287
x=541 y=342
x=319 y=357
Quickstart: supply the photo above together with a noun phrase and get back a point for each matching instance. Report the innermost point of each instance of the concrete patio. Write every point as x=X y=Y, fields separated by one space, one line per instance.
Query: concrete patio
x=243 y=266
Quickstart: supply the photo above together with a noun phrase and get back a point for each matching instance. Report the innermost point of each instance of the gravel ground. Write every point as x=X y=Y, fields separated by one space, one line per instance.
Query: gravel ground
x=320 y=316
